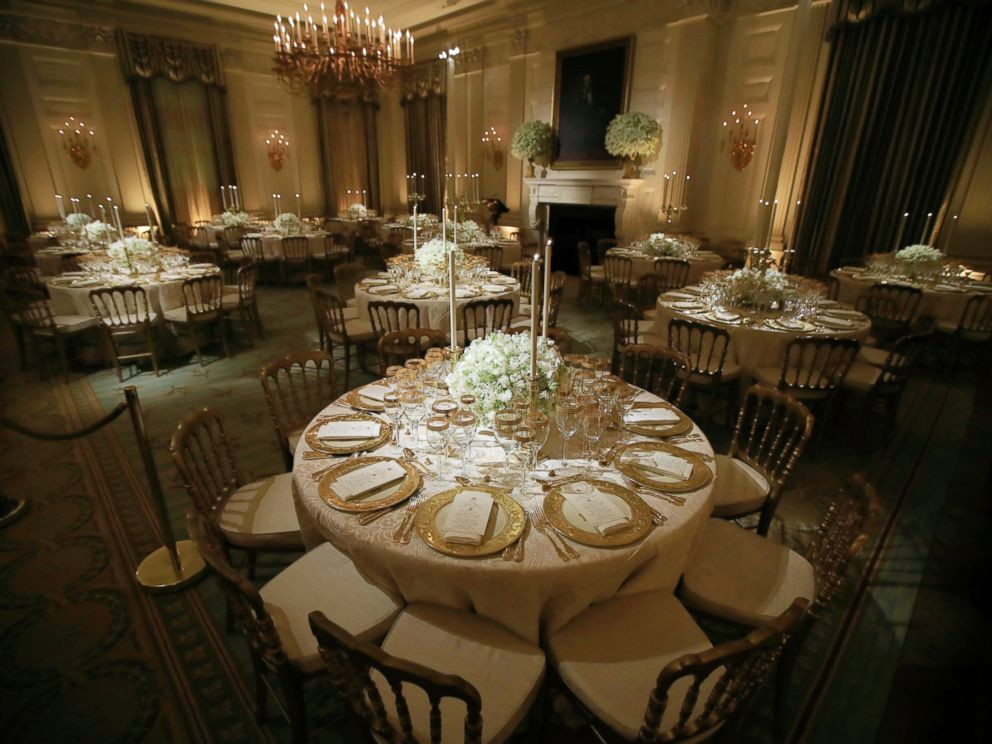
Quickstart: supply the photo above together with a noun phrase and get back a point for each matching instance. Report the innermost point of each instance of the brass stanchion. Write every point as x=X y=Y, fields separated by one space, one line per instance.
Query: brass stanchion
x=175 y=565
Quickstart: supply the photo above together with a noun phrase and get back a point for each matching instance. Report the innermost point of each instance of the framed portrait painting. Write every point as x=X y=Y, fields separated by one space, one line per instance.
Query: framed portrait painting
x=592 y=85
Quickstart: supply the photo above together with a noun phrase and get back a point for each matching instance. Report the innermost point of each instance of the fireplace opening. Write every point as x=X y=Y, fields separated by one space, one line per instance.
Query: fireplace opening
x=571 y=223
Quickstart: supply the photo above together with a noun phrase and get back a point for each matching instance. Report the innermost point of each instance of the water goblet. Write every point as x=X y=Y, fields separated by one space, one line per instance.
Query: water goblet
x=593 y=424
x=526 y=445
x=437 y=440
x=567 y=416
x=541 y=424
x=444 y=406
x=505 y=421
x=462 y=433
x=392 y=408
x=412 y=403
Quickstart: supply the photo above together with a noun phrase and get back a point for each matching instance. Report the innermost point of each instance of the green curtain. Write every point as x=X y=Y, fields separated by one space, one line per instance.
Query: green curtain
x=15 y=222
x=349 y=148
x=905 y=83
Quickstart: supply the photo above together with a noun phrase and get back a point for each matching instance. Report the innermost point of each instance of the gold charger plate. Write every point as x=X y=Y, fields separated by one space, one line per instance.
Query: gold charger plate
x=679 y=426
x=701 y=474
x=503 y=529
x=385 y=434
x=387 y=496
x=555 y=508
x=355 y=399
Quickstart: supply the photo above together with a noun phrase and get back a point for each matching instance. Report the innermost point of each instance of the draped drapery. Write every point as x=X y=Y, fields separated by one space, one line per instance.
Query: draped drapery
x=181 y=108
x=349 y=149
x=14 y=220
x=905 y=81
x=424 y=108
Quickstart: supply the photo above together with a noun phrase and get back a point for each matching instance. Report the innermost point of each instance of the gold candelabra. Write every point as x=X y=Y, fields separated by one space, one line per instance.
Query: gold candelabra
x=742 y=136
x=77 y=141
x=278 y=149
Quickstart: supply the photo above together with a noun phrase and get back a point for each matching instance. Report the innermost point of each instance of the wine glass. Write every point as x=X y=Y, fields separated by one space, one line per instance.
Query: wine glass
x=593 y=425
x=506 y=421
x=392 y=408
x=391 y=375
x=568 y=420
x=541 y=424
x=444 y=407
x=437 y=440
x=412 y=403
x=526 y=444
x=462 y=434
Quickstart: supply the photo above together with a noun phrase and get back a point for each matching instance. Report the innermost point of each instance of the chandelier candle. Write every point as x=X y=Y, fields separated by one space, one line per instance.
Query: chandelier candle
x=533 y=318
x=547 y=289
x=454 y=227
x=117 y=220
x=237 y=197
x=223 y=198
x=151 y=223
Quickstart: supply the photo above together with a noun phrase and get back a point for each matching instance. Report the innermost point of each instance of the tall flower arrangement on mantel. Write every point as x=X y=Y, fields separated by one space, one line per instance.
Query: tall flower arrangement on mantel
x=531 y=141
x=633 y=136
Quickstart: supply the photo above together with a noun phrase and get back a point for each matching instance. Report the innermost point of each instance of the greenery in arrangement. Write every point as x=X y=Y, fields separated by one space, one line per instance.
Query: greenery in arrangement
x=633 y=135
x=496 y=370
x=357 y=212
x=661 y=245
x=468 y=231
x=78 y=220
x=423 y=220
x=135 y=255
x=751 y=287
x=531 y=141
x=235 y=219
x=919 y=254
x=99 y=232
x=432 y=256
x=287 y=222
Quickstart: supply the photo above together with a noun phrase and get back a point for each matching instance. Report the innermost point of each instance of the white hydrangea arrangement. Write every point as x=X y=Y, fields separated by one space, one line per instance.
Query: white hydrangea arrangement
x=287 y=223
x=99 y=232
x=137 y=255
x=78 y=220
x=432 y=256
x=531 y=141
x=423 y=220
x=468 y=231
x=661 y=245
x=497 y=368
x=755 y=287
x=919 y=254
x=235 y=219
x=633 y=135
x=357 y=212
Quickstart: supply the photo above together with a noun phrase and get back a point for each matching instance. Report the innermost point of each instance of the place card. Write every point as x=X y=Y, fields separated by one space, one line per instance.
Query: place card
x=334 y=431
x=661 y=463
x=468 y=516
x=596 y=508
x=365 y=480
x=659 y=415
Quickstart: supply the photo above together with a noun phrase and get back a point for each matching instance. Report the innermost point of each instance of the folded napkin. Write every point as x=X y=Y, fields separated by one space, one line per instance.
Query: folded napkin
x=948 y=288
x=374 y=282
x=831 y=322
x=839 y=313
x=789 y=324
x=86 y=283
x=487 y=455
x=495 y=288
x=649 y=416
x=679 y=296
x=207 y=266
x=693 y=290
x=506 y=280
x=468 y=517
x=335 y=431
x=373 y=392
x=419 y=294
x=384 y=289
x=690 y=305
x=725 y=316
x=72 y=273
x=373 y=477
x=595 y=507
x=661 y=463
x=465 y=292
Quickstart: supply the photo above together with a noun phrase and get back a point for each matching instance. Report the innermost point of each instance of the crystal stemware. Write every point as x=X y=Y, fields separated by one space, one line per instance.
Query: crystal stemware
x=462 y=433
x=437 y=440
x=568 y=419
x=392 y=408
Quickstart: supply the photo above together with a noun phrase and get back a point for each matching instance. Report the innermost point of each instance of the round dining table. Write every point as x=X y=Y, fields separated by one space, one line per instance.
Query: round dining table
x=272 y=243
x=944 y=302
x=700 y=263
x=511 y=249
x=756 y=339
x=432 y=300
x=533 y=597
x=70 y=294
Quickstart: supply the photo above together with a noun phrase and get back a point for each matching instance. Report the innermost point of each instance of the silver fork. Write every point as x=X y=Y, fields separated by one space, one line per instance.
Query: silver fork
x=545 y=529
x=569 y=550
x=404 y=532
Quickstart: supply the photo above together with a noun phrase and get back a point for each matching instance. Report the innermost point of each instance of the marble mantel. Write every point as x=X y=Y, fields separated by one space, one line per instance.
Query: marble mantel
x=603 y=191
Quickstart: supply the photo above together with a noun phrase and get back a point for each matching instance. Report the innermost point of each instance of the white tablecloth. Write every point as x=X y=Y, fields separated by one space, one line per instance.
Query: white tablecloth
x=434 y=311
x=67 y=300
x=754 y=345
x=946 y=306
x=533 y=598
x=699 y=264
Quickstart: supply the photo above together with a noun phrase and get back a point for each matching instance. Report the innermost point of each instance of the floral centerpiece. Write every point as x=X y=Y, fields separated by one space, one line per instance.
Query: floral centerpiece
x=919 y=254
x=357 y=212
x=432 y=258
x=99 y=232
x=531 y=141
x=496 y=369
x=423 y=220
x=287 y=223
x=235 y=219
x=754 y=288
x=661 y=245
x=914 y=262
x=633 y=136
x=468 y=231
x=78 y=220
x=134 y=255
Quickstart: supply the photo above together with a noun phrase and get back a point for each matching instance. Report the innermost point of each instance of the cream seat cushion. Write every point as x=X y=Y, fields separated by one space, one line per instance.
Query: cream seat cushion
x=179 y=315
x=506 y=670
x=359 y=330
x=263 y=508
x=597 y=273
x=738 y=576
x=731 y=371
x=874 y=355
x=71 y=323
x=135 y=318
x=739 y=488
x=230 y=299
x=611 y=654
x=325 y=579
x=650 y=314
x=861 y=377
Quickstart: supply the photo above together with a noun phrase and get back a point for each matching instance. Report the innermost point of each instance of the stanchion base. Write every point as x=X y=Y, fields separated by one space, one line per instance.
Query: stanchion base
x=12 y=515
x=156 y=573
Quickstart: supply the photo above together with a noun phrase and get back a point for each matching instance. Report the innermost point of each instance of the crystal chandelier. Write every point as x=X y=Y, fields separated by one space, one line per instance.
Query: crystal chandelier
x=346 y=55
x=741 y=137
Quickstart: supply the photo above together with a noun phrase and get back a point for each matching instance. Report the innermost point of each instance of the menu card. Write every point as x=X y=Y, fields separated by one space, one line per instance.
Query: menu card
x=649 y=416
x=372 y=477
x=374 y=393
x=342 y=430
x=468 y=517
x=662 y=463
x=596 y=508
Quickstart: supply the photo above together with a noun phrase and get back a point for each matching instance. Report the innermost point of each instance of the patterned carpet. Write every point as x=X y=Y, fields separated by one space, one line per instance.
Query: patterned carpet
x=85 y=655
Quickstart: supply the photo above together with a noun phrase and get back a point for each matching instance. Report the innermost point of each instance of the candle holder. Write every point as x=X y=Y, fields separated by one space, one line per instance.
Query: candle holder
x=671 y=213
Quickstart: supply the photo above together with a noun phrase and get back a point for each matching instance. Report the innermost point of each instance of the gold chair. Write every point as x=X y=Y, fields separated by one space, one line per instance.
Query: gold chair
x=274 y=618
x=673 y=273
x=123 y=312
x=241 y=299
x=974 y=328
x=295 y=255
x=231 y=244
x=252 y=516
x=397 y=347
x=627 y=330
x=449 y=675
x=482 y=317
x=521 y=271
x=645 y=295
x=203 y=298
x=591 y=278
x=618 y=271
x=641 y=647
x=708 y=350
x=891 y=309
x=334 y=328
x=657 y=369
x=251 y=249
x=771 y=433
x=602 y=246
x=37 y=324
x=493 y=255
x=297 y=387
x=388 y=315
x=346 y=276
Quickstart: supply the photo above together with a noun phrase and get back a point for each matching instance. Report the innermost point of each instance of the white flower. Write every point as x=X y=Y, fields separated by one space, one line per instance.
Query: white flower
x=531 y=141
x=134 y=254
x=468 y=231
x=286 y=222
x=99 y=232
x=660 y=244
x=423 y=220
x=357 y=212
x=432 y=256
x=916 y=254
x=752 y=286
x=235 y=219
x=633 y=134
x=497 y=368
x=77 y=220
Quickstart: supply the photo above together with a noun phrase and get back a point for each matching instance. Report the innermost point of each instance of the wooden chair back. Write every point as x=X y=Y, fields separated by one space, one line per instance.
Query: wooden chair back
x=618 y=271
x=397 y=347
x=645 y=294
x=199 y=237
x=603 y=245
x=252 y=248
x=585 y=260
x=232 y=237
x=626 y=323
x=493 y=255
x=203 y=257
x=121 y=307
x=181 y=234
x=673 y=273
x=346 y=276
x=706 y=346
x=554 y=304
x=813 y=364
x=31 y=309
x=247 y=281
x=202 y=295
x=297 y=387
x=206 y=461
x=658 y=370
x=295 y=249
x=521 y=271
x=25 y=277
x=977 y=316
x=899 y=364
x=771 y=433
x=329 y=311
x=388 y=315
x=482 y=317
x=350 y=662
x=735 y=669
x=833 y=286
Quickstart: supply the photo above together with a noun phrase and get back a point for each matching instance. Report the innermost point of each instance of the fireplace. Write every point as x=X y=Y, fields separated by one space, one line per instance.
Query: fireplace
x=571 y=223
